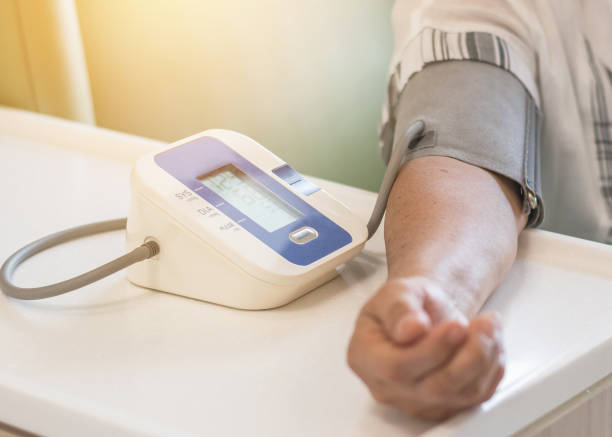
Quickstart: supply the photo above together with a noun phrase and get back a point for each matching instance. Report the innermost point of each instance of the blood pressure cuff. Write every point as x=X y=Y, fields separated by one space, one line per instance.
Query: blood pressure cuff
x=477 y=113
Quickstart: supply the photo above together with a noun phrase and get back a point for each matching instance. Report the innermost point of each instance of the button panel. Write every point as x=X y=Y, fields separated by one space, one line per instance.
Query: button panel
x=188 y=162
x=303 y=235
x=297 y=181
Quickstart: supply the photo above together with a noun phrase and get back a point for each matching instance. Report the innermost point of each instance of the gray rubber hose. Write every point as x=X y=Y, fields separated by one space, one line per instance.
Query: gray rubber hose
x=412 y=134
x=150 y=248
x=147 y=250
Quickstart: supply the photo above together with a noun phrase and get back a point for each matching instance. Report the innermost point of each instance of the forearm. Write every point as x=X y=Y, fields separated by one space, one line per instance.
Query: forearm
x=456 y=224
x=451 y=228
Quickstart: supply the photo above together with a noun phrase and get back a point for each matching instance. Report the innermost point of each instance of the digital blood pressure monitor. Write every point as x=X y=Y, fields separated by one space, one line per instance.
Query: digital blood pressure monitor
x=218 y=217
x=236 y=225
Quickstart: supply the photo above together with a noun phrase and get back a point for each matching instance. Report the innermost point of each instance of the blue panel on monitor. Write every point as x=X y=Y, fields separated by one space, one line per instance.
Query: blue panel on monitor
x=189 y=162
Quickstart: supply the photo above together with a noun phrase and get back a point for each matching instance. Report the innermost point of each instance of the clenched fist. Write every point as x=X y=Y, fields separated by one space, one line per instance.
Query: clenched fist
x=414 y=350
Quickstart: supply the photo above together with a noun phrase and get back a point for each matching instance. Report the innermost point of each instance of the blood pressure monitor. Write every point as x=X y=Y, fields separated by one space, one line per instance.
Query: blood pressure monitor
x=236 y=224
x=218 y=217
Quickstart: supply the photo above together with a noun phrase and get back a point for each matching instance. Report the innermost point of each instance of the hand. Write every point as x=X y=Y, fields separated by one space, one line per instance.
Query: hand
x=416 y=352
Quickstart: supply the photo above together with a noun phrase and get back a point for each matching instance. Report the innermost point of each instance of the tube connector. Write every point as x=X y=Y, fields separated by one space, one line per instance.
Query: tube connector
x=153 y=248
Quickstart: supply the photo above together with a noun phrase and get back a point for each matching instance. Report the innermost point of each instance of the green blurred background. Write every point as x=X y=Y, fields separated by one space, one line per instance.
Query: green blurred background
x=306 y=79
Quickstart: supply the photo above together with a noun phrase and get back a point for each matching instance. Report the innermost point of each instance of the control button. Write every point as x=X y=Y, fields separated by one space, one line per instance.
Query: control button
x=288 y=174
x=303 y=235
x=305 y=187
x=296 y=180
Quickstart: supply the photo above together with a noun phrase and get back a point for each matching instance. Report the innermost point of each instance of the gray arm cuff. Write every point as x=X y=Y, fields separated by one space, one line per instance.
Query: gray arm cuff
x=479 y=114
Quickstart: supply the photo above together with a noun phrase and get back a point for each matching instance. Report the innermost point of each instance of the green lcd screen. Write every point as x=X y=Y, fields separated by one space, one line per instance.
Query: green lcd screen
x=250 y=197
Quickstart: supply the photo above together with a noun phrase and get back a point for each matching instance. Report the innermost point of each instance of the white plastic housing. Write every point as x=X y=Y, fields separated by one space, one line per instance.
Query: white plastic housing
x=205 y=255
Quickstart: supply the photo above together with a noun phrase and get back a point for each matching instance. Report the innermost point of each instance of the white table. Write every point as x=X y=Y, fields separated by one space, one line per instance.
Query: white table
x=115 y=359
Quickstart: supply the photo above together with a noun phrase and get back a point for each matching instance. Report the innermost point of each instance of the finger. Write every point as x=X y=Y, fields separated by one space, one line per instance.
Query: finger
x=399 y=307
x=384 y=367
x=477 y=367
x=480 y=354
x=372 y=356
x=471 y=362
x=433 y=351
x=482 y=388
x=498 y=378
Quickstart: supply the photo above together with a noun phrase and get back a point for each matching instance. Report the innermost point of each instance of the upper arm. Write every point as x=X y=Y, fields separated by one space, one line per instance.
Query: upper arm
x=467 y=71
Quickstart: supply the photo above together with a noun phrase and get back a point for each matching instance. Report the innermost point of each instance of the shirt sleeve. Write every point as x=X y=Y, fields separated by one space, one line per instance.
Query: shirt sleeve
x=480 y=102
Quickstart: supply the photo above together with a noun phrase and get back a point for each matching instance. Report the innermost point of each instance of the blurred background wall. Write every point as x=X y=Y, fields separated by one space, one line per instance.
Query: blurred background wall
x=306 y=79
x=42 y=65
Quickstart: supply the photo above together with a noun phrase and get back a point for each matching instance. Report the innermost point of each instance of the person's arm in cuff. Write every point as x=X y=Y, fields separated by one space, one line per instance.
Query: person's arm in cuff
x=451 y=229
x=451 y=235
x=459 y=218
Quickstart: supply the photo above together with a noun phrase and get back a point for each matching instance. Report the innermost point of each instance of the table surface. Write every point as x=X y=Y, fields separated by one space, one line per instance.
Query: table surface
x=116 y=359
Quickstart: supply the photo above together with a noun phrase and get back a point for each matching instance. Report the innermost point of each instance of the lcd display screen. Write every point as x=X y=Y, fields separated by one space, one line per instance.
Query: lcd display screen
x=250 y=197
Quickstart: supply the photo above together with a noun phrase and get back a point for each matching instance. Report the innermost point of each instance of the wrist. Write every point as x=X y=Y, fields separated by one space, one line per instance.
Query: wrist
x=456 y=288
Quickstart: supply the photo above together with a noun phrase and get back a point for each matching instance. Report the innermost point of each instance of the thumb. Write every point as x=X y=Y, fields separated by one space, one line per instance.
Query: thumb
x=400 y=306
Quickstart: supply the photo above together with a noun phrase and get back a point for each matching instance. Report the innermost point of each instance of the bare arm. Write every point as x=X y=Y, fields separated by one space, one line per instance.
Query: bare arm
x=456 y=224
x=451 y=234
